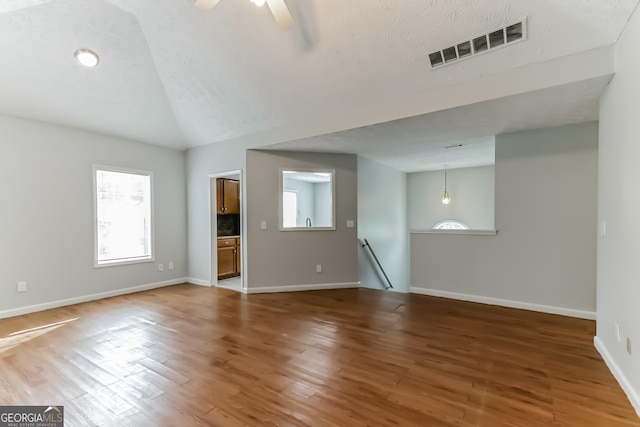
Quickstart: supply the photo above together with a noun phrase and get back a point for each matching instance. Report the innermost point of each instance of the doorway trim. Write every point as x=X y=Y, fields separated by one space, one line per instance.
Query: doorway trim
x=213 y=236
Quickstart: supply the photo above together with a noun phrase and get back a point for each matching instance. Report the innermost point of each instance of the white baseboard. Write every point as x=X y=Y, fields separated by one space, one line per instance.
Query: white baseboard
x=298 y=288
x=85 y=298
x=570 y=312
x=198 y=282
x=632 y=394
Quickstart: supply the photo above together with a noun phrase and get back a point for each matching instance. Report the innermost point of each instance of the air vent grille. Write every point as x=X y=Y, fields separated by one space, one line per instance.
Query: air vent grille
x=508 y=35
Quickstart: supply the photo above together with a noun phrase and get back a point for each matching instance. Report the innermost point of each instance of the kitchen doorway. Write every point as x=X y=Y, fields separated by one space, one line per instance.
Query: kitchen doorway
x=227 y=232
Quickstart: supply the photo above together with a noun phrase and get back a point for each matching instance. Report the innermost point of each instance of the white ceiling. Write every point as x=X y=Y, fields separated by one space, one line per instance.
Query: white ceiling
x=430 y=141
x=40 y=79
x=175 y=76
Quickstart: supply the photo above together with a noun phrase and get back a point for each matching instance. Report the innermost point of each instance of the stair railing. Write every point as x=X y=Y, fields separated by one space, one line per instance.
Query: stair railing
x=367 y=245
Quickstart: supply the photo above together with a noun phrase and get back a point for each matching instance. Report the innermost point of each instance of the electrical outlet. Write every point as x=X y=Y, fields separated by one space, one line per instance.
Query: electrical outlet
x=629 y=346
x=318 y=268
x=22 y=286
x=171 y=265
x=160 y=267
x=616 y=330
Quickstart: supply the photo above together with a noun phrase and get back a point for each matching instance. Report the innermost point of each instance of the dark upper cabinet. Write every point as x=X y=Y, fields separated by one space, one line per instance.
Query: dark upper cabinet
x=227 y=196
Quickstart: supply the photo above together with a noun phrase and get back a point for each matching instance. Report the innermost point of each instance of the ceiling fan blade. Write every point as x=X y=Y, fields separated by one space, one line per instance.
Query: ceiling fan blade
x=280 y=13
x=205 y=4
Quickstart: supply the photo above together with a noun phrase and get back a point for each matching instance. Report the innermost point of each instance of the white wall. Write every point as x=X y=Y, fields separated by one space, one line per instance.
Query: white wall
x=472 y=197
x=281 y=259
x=382 y=220
x=202 y=162
x=619 y=207
x=322 y=211
x=47 y=239
x=544 y=254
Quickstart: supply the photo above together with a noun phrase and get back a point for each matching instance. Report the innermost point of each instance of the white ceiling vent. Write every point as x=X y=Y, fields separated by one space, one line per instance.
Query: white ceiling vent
x=466 y=49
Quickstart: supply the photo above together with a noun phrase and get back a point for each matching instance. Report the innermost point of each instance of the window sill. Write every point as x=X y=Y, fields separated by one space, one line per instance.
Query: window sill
x=307 y=229
x=457 y=232
x=127 y=261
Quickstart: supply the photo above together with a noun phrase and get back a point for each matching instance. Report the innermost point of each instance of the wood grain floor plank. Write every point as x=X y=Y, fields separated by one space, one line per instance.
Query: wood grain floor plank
x=192 y=356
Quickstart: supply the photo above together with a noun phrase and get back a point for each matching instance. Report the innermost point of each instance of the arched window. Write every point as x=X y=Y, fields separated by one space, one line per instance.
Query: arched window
x=450 y=224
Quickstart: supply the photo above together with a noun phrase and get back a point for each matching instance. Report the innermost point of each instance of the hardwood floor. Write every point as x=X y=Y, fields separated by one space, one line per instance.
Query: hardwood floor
x=191 y=356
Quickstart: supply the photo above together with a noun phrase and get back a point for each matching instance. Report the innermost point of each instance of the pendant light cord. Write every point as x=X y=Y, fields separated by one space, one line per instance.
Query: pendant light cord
x=445 y=178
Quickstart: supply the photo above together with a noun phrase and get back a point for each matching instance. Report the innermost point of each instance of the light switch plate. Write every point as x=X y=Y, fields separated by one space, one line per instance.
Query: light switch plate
x=263 y=225
x=350 y=223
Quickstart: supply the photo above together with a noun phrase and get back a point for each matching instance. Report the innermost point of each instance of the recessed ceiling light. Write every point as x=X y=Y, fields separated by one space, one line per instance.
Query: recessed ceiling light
x=87 y=57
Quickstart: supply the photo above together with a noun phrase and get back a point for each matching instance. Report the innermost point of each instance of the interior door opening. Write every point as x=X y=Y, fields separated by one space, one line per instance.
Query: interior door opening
x=226 y=230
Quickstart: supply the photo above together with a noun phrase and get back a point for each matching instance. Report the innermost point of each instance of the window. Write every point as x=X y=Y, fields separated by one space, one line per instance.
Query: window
x=289 y=208
x=450 y=224
x=314 y=199
x=123 y=215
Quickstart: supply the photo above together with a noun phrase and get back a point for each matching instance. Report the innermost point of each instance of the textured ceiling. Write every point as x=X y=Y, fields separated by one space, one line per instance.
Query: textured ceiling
x=40 y=79
x=175 y=76
x=460 y=137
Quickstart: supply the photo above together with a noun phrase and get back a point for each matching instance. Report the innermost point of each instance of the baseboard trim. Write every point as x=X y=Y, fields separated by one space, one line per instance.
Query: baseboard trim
x=198 y=282
x=299 y=288
x=632 y=394
x=570 y=312
x=85 y=298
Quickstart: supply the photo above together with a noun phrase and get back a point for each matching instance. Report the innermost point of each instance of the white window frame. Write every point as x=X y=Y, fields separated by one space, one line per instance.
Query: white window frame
x=461 y=224
x=124 y=261
x=334 y=197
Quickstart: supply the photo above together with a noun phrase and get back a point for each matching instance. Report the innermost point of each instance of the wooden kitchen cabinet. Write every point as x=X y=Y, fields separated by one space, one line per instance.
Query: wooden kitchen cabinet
x=219 y=196
x=228 y=257
x=227 y=196
x=232 y=196
x=226 y=262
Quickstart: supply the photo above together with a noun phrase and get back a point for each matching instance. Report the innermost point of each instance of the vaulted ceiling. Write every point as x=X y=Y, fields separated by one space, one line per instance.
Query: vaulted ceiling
x=173 y=75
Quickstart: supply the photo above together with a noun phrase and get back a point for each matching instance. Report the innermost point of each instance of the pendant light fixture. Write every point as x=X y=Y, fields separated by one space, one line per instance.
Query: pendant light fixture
x=445 y=197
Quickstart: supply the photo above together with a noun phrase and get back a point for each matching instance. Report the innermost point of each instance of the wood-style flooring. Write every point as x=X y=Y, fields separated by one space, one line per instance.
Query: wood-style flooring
x=193 y=356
